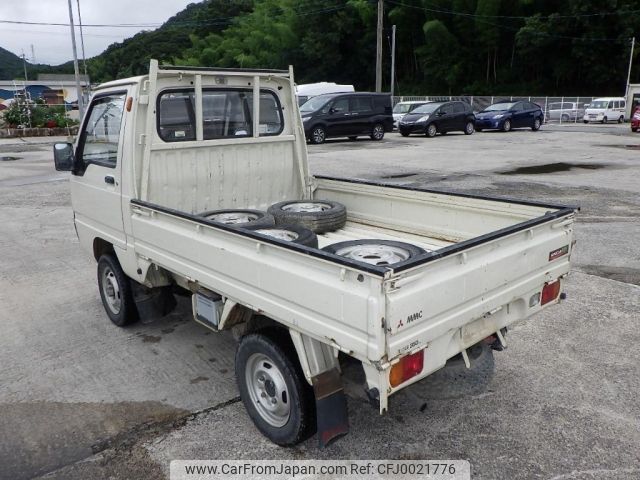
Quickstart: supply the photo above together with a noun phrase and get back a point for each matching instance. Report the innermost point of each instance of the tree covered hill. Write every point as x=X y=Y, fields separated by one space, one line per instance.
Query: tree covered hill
x=573 y=47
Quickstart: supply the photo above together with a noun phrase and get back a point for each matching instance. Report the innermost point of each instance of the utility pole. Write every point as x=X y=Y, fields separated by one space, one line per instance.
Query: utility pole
x=379 y=47
x=84 y=58
x=75 y=62
x=633 y=44
x=24 y=64
x=393 y=60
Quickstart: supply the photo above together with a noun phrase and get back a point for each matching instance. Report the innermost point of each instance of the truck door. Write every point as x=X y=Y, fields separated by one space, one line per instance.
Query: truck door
x=96 y=180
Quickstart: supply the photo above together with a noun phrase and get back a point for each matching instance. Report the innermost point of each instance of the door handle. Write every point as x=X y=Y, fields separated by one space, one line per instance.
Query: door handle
x=110 y=180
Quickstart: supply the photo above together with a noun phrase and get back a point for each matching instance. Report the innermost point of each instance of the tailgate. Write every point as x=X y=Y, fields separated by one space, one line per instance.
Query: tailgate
x=469 y=293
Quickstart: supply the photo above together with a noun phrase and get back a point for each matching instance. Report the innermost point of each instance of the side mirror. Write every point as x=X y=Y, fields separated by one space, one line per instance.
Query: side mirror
x=63 y=157
x=587 y=105
x=440 y=113
x=332 y=110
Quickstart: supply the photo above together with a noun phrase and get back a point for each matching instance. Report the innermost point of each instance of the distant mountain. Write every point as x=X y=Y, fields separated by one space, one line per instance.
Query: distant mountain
x=131 y=56
x=10 y=65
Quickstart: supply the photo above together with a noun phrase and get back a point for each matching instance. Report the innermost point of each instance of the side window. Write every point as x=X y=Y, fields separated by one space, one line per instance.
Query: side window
x=361 y=104
x=447 y=108
x=341 y=106
x=623 y=104
x=610 y=104
x=101 y=134
x=459 y=108
x=176 y=117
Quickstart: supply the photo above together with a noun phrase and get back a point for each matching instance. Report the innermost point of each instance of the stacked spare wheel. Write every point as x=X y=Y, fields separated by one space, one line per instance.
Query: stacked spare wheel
x=298 y=221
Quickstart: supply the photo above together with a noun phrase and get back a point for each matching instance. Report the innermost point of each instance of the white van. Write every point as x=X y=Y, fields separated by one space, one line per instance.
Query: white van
x=309 y=90
x=605 y=109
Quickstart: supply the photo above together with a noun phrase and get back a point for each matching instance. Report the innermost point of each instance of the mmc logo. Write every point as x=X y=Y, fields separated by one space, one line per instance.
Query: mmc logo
x=410 y=318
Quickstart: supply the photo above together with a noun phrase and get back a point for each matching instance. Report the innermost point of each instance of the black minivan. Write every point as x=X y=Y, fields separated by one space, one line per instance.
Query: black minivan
x=347 y=115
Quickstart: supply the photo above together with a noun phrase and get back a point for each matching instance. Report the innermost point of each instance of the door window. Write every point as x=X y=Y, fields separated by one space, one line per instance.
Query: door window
x=100 y=139
x=459 y=108
x=341 y=106
x=361 y=104
x=448 y=108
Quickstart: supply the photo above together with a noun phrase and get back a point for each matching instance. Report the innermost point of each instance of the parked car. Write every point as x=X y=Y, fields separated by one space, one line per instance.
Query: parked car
x=604 y=109
x=402 y=108
x=438 y=117
x=347 y=115
x=565 y=111
x=506 y=116
x=635 y=120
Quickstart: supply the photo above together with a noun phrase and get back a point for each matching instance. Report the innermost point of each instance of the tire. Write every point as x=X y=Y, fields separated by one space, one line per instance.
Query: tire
x=115 y=291
x=353 y=138
x=469 y=128
x=289 y=233
x=634 y=129
x=604 y=120
x=506 y=126
x=318 y=135
x=431 y=130
x=585 y=121
x=377 y=132
x=621 y=119
x=455 y=379
x=319 y=216
x=536 y=125
x=565 y=118
x=375 y=252
x=235 y=217
x=264 y=370
x=404 y=133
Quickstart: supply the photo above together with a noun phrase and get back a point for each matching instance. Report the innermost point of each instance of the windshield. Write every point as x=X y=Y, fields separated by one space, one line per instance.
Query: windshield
x=402 y=108
x=315 y=104
x=497 y=107
x=427 y=108
x=599 y=104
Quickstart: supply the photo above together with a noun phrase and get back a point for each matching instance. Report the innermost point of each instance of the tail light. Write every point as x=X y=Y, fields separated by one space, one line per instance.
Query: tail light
x=550 y=292
x=408 y=367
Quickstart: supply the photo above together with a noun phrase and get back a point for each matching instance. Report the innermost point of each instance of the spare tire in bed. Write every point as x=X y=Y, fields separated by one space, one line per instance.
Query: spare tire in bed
x=240 y=218
x=317 y=215
x=290 y=233
x=375 y=252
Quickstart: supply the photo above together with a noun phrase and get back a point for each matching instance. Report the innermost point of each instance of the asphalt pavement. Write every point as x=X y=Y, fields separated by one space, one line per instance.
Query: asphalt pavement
x=81 y=398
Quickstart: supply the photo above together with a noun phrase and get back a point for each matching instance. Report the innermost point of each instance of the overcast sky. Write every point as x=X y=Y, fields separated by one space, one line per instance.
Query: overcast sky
x=52 y=44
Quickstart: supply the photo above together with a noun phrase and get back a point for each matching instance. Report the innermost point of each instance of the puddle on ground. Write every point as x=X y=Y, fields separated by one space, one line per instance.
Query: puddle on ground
x=8 y=158
x=628 y=147
x=553 y=168
x=38 y=437
x=399 y=175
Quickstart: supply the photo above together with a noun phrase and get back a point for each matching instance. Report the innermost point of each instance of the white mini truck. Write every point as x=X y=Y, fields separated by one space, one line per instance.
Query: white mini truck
x=155 y=150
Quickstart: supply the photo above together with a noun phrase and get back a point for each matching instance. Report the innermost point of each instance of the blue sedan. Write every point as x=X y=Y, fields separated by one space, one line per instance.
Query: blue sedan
x=508 y=115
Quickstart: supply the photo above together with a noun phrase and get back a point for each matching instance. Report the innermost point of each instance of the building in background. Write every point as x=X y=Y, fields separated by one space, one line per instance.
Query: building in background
x=54 y=89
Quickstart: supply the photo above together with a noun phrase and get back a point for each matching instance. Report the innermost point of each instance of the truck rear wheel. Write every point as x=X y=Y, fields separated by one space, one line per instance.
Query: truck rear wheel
x=115 y=291
x=274 y=390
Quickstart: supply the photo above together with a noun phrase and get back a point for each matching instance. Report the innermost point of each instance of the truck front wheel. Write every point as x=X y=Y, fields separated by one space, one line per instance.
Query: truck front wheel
x=115 y=291
x=274 y=391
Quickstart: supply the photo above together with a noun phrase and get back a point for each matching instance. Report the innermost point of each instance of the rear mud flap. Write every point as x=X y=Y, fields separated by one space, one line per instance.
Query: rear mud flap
x=331 y=407
x=152 y=303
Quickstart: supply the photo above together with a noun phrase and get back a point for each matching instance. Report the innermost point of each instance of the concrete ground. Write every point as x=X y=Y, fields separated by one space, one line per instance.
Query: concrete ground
x=80 y=398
